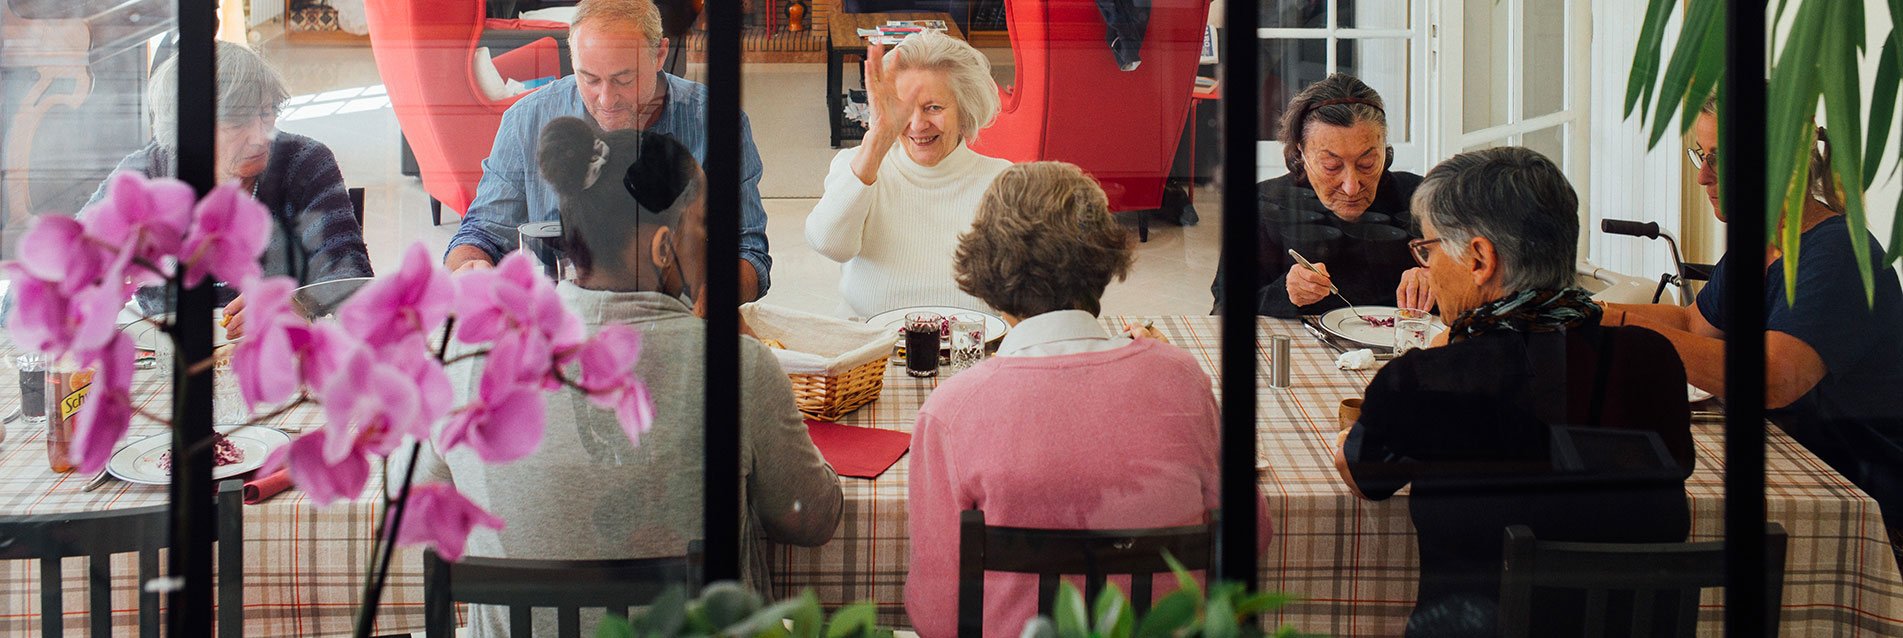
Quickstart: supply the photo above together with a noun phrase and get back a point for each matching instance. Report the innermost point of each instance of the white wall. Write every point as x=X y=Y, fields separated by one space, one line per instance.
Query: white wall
x=1629 y=180
x=263 y=11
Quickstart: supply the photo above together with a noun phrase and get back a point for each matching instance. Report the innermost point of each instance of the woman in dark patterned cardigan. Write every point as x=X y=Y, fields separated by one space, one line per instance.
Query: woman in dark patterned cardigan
x=317 y=236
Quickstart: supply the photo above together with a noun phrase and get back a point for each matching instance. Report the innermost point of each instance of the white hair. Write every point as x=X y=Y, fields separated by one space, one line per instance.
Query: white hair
x=965 y=68
x=246 y=86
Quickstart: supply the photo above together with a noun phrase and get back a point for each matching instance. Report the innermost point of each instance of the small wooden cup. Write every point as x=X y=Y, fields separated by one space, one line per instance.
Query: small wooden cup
x=1350 y=412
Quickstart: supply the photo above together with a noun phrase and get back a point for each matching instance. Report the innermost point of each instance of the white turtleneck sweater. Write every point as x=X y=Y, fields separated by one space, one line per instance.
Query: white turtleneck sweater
x=897 y=235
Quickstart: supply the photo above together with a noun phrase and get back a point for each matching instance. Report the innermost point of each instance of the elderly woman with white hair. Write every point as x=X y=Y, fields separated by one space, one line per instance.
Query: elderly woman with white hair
x=316 y=237
x=895 y=205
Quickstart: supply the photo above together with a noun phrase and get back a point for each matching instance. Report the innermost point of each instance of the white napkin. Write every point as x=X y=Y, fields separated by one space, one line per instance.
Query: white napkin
x=1355 y=360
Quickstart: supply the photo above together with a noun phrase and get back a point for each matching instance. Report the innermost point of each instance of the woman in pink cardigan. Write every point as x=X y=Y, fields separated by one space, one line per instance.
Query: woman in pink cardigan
x=1069 y=427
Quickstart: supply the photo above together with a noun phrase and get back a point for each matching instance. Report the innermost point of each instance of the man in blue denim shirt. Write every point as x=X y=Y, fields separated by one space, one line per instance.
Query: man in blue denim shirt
x=617 y=47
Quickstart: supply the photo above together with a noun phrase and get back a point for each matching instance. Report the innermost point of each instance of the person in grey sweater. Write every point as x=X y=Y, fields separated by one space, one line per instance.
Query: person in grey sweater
x=588 y=492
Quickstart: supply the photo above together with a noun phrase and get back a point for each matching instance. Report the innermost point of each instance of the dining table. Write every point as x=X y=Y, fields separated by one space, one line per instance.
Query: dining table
x=304 y=565
x=1351 y=564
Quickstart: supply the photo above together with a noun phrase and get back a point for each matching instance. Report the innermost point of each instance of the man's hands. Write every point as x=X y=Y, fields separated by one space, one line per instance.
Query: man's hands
x=466 y=257
x=1305 y=287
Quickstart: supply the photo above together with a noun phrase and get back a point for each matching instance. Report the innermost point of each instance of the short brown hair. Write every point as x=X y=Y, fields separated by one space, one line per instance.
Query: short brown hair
x=1043 y=241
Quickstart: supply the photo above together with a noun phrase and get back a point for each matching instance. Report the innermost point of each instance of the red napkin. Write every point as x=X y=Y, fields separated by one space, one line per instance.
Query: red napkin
x=855 y=451
x=264 y=487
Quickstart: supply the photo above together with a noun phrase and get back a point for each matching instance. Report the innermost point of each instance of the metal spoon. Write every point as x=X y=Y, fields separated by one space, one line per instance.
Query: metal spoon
x=1331 y=282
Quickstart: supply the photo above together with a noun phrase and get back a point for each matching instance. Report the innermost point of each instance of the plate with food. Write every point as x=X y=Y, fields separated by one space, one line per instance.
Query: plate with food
x=995 y=327
x=239 y=450
x=1372 y=327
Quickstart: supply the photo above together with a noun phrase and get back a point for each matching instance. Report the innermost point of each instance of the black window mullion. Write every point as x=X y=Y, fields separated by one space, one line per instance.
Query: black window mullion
x=721 y=448
x=1240 y=282
x=1743 y=132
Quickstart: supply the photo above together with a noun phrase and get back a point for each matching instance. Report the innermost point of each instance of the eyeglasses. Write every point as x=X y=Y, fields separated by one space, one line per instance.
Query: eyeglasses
x=1423 y=249
x=1702 y=159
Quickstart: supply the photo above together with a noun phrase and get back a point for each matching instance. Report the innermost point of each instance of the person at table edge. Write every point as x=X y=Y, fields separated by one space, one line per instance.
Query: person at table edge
x=617 y=46
x=587 y=492
x=1335 y=145
x=1834 y=356
x=1068 y=427
x=893 y=206
x=295 y=177
x=1527 y=367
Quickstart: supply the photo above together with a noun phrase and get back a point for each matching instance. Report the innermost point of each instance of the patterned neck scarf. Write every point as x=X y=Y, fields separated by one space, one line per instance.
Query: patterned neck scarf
x=1528 y=311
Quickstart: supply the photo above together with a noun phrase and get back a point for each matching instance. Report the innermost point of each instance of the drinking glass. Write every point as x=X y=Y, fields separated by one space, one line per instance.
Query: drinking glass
x=921 y=343
x=967 y=342
x=227 y=402
x=1411 y=330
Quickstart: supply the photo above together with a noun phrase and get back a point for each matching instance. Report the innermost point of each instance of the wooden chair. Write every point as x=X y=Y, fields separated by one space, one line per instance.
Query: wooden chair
x=1647 y=570
x=569 y=586
x=356 y=206
x=48 y=538
x=1053 y=553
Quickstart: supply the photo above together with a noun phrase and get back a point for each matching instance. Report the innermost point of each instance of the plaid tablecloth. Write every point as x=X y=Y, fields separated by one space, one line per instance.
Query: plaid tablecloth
x=304 y=566
x=1353 y=562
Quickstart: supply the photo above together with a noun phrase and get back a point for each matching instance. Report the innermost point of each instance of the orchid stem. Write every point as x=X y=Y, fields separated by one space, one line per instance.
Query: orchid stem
x=373 y=588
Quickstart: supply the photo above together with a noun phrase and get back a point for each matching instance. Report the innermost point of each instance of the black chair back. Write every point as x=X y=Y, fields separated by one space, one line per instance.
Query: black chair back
x=568 y=586
x=1054 y=553
x=1650 y=572
x=356 y=205
x=48 y=538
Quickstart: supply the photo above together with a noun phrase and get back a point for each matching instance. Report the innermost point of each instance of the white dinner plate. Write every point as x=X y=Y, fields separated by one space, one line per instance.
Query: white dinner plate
x=995 y=327
x=139 y=462
x=1343 y=323
x=1694 y=394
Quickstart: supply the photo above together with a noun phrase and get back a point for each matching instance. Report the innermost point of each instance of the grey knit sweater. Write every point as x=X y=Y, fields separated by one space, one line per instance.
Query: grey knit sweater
x=588 y=493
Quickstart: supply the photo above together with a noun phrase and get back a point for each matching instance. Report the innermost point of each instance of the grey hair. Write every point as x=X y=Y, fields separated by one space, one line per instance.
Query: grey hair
x=246 y=85
x=1354 y=102
x=1517 y=199
x=968 y=71
x=641 y=14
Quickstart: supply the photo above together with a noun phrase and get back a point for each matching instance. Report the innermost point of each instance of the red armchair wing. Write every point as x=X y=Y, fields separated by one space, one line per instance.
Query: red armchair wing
x=1070 y=102
x=423 y=50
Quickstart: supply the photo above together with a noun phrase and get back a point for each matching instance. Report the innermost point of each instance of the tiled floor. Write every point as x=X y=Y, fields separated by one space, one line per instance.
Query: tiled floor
x=340 y=104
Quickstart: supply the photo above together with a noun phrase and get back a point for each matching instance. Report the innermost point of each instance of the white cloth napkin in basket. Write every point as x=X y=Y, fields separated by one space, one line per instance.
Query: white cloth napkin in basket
x=818 y=344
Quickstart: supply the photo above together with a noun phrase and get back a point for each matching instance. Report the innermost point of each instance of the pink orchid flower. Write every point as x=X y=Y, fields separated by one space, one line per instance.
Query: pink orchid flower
x=514 y=296
x=506 y=420
x=321 y=348
x=56 y=249
x=441 y=517
x=369 y=406
x=326 y=481
x=46 y=320
x=150 y=216
x=229 y=231
x=391 y=309
x=108 y=410
x=264 y=357
x=608 y=377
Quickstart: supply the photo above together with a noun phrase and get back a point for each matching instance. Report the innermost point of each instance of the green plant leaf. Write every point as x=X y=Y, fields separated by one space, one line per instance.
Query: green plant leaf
x=1883 y=104
x=1070 y=611
x=1699 y=23
x=665 y=616
x=1843 y=104
x=1793 y=97
x=1170 y=615
x=727 y=603
x=857 y=619
x=1645 y=60
x=1039 y=627
x=1896 y=237
x=1220 y=619
x=1261 y=603
x=771 y=620
x=614 y=626
x=1706 y=76
x=1184 y=580
x=1114 y=616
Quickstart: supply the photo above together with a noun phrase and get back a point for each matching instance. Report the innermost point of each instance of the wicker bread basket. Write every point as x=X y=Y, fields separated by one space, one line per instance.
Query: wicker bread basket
x=836 y=366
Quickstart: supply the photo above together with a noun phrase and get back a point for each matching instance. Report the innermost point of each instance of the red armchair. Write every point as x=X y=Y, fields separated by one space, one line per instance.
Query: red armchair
x=423 y=50
x=1070 y=102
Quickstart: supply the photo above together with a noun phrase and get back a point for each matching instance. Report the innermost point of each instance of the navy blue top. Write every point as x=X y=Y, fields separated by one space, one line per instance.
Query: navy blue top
x=1853 y=418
